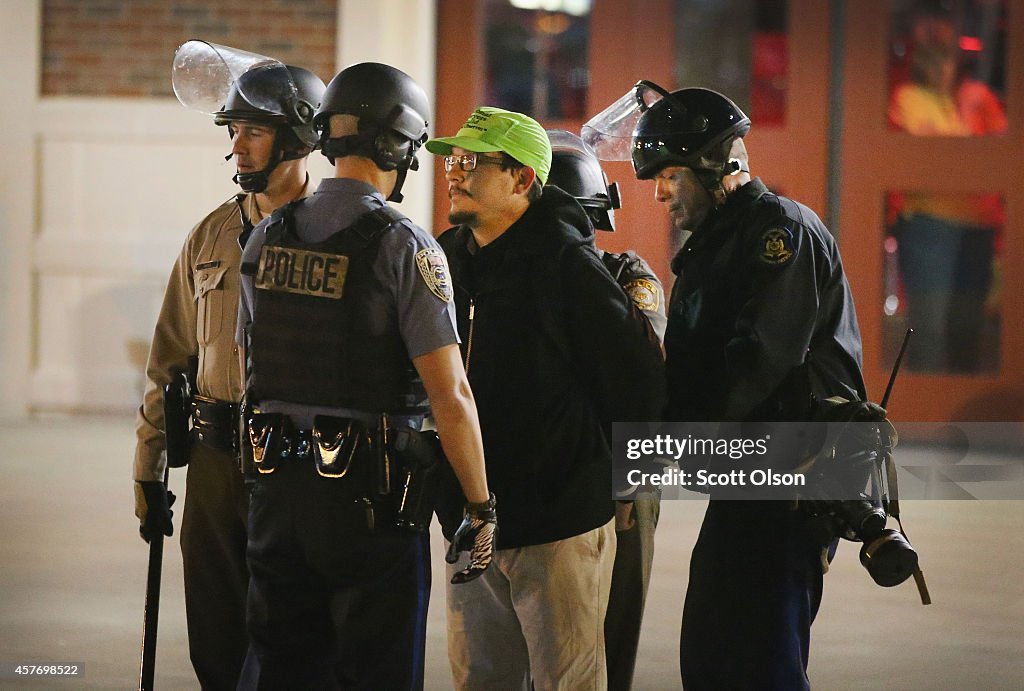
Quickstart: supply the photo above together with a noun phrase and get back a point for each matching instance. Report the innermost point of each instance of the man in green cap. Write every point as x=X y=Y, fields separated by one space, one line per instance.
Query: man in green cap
x=554 y=351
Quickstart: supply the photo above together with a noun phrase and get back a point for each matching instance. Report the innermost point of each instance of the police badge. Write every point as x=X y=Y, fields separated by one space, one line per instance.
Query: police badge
x=644 y=294
x=776 y=246
x=434 y=270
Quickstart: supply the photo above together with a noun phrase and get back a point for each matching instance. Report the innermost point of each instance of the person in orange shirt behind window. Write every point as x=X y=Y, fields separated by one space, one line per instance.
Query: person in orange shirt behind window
x=946 y=240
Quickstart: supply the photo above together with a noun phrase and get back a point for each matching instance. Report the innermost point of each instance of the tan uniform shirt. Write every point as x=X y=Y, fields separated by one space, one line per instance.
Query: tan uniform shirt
x=197 y=318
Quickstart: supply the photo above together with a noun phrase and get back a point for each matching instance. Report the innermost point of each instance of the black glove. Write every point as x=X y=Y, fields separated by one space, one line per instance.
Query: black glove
x=871 y=430
x=477 y=533
x=159 y=501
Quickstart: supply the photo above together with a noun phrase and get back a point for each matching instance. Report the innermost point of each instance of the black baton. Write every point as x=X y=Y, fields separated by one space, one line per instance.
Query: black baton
x=152 y=611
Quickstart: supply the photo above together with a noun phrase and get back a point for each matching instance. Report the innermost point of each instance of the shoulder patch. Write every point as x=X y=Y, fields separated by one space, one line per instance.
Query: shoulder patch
x=776 y=246
x=644 y=293
x=434 y=270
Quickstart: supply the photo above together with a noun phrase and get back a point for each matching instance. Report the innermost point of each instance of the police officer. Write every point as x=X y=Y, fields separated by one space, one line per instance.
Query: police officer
x=761 y=321
x=347 y=306
x=576 y=170
x=270 y=145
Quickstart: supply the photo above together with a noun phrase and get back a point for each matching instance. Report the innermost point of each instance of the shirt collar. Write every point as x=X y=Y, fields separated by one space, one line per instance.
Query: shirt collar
x=721 y=219
x=349 y=186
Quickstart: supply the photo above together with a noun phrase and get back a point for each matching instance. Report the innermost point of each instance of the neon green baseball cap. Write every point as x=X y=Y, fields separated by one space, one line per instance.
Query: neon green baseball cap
x=491 y=129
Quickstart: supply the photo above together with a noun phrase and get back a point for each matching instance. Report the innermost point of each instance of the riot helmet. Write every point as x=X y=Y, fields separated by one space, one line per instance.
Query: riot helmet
x=288 y=95
x=577 y=170
x=691 y=127
x=237 y=85
x=392 y=111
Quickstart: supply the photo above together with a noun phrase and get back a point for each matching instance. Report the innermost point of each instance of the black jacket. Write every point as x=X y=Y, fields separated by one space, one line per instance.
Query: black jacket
x=554 y=353
x=761 y=315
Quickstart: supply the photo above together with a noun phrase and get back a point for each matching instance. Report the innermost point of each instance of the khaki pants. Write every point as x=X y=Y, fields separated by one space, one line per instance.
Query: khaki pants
x=537 y=614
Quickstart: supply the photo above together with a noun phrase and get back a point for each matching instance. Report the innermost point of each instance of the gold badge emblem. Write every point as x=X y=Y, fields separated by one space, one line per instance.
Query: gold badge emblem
x=645 y=294
x=434 y=270
x=776 y=246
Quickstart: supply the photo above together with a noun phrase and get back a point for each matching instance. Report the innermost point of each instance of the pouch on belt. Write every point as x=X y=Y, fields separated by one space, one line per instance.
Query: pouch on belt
x=338 y=443
x=266 y=436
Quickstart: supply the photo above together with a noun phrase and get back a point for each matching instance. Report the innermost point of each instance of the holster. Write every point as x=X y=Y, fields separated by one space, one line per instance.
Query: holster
x=177 y=417
x=419 y=455
x=392 y=472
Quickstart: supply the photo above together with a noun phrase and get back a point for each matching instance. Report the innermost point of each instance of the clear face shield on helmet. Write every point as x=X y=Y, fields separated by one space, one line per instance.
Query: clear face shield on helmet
x=210 y=78
x=655 y=129
x=203 y=73
x=610 y=133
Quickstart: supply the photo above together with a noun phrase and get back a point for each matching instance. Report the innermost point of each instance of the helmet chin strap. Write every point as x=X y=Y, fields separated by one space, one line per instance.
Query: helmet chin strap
x=257 y=182
x=396 y=195
x=410 y=163
x=253 y=182
x=716 y=188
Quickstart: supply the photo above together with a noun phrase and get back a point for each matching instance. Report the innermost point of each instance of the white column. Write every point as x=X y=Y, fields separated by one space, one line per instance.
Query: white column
x=400 y=33
x=20 y=22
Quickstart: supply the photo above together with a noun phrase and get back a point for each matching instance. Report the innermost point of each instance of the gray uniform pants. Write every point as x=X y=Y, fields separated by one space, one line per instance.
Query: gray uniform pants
x=631 y=577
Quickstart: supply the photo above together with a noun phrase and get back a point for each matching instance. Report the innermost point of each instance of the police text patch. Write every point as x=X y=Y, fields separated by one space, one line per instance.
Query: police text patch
x=289 y=270
x=776 y=246
x=434 y=270
x=645 y=294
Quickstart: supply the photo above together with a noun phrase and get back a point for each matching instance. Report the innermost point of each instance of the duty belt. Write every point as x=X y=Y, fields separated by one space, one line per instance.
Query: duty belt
x=333 y=443
x=215 y=423
x=360 y=456
x=296 y=444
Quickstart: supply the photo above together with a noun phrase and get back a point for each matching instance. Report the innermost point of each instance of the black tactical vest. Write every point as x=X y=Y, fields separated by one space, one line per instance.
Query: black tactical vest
x=313 y=339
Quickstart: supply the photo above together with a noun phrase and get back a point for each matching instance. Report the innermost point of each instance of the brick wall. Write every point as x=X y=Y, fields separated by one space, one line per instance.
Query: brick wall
x=125 y=47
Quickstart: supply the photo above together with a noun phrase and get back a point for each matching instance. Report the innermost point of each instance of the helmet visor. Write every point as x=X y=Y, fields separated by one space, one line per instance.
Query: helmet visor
x=610 y=132
x=561 y=139
x=203 y=73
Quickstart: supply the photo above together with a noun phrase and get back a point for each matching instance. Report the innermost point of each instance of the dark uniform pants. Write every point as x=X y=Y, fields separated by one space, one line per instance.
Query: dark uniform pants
x=213 y=540
x=330 y=605
x=755 y=587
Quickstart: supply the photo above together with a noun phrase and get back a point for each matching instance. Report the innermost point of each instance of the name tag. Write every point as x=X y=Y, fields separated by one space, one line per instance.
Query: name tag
x=289 y=270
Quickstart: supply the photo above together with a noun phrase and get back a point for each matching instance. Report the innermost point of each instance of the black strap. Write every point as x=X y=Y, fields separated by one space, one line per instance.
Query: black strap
x=367 y=226
x=247 y=225
x=618 y=267
x=373 y=223
x=282 y=221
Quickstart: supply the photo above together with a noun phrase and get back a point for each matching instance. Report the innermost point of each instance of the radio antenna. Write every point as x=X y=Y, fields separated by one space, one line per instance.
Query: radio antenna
x=896 y=369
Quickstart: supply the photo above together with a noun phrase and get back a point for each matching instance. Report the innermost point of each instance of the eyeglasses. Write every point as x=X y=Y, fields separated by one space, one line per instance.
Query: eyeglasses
x=468 y=162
